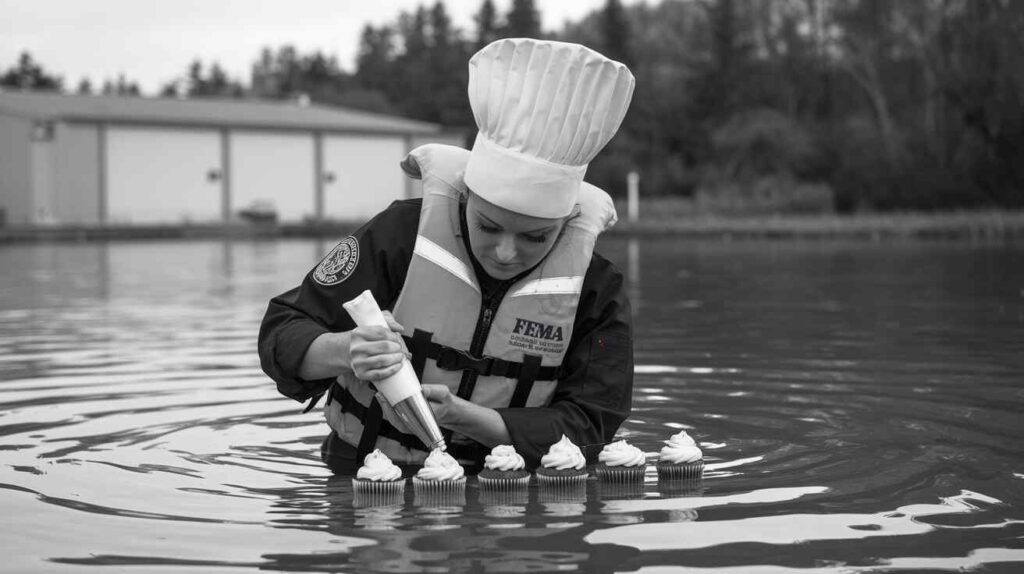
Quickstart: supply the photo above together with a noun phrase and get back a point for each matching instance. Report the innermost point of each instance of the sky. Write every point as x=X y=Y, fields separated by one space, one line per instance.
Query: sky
x=152 y=42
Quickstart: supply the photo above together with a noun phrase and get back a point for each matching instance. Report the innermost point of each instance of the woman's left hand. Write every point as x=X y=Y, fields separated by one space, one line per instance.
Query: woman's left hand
x=479 y=423
x=444 y=404
x=441 y=400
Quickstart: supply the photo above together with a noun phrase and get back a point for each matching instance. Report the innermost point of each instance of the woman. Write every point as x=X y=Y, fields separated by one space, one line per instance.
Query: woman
x=518 y=331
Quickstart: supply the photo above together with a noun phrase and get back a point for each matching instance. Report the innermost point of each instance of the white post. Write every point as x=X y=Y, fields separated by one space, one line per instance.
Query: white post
x=633 y=184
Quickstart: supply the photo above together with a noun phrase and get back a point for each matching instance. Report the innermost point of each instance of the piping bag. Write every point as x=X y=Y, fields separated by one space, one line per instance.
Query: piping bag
x=401 y=390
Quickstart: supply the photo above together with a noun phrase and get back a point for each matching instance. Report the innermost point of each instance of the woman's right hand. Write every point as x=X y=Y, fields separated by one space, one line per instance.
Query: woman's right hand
x=376 y=353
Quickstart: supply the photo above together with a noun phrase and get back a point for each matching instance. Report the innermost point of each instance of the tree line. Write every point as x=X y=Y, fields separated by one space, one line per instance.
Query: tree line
x=740 y=105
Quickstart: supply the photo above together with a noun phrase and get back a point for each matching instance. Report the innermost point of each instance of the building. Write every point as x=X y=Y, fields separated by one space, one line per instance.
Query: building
x=109 y=160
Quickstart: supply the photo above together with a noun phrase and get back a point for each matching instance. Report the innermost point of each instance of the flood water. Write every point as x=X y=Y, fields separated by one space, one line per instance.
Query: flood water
x=859 y=405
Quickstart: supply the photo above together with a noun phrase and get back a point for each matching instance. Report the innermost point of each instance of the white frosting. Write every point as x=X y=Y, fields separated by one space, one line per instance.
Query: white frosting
x=681 y=439
x=378 y=467
x=621 y=453
x=681 y=448
x=440 y=466
x=504 y=457
x=564 y=455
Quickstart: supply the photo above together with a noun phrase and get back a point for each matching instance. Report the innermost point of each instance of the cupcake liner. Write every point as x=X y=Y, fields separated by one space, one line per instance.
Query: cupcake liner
x=378 y=499
x=508 y=483
x=378 y=487
x=438 y=486
x=450 y=497
x=623 y=474
x=672 y=471
x=553 y=477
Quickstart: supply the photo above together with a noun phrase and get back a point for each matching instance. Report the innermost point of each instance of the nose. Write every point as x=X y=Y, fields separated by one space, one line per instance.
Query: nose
x=505 y=251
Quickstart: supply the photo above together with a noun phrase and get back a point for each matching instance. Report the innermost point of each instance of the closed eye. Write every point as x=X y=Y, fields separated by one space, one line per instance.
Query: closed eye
x=487 y=228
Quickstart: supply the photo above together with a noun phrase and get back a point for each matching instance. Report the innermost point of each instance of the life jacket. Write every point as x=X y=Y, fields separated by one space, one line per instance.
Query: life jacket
x=501 y=353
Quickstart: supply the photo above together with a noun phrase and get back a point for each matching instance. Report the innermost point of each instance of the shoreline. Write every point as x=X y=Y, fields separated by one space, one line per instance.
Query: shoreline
x=960 y=226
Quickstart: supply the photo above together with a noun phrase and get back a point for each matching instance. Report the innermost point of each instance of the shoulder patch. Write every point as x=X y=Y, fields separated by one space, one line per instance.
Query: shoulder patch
x=338 y=264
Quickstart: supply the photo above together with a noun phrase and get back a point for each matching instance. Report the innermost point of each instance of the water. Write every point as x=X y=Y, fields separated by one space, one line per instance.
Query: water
x=859 y=406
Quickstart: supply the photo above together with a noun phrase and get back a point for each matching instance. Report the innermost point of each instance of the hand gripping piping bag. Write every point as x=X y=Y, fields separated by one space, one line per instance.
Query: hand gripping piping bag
x=401 y=390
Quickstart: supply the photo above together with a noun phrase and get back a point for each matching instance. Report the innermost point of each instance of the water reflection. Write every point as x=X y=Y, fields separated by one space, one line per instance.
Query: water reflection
x=792 y=528
x=857 y=406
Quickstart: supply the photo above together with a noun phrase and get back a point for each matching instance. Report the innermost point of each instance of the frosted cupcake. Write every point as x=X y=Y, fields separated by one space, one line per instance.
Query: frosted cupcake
x=504 y=468
x=680 y=458
x=563 y=465
x=440 y=474
x=378 y=476
x=621 y=462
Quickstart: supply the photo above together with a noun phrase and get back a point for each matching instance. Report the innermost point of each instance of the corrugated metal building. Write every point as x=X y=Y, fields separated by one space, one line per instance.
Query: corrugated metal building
x=96 y=160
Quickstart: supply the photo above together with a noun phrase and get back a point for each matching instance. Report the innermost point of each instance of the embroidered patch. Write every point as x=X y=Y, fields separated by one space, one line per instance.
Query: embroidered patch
x=338 y=264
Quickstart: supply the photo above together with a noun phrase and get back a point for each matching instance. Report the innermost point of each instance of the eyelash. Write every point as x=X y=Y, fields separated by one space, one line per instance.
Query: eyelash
x=531 y=238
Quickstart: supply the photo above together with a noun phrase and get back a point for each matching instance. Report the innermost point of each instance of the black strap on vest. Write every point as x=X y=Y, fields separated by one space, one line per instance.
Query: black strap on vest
x=372 y=419
x=524 y=384
x=419 y=346
x=349 y=404
x=451 y=359
x=312 y=403
x=316 y=399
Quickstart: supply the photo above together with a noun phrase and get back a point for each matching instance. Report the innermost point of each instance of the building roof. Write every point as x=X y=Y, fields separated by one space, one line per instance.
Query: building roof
x=204 y=112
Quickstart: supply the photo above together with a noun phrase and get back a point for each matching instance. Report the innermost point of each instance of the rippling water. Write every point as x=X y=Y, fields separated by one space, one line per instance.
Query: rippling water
x=860 y=407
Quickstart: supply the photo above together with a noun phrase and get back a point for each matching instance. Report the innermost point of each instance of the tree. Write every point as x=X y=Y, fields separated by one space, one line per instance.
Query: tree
x=617 y=33
x=867 y=46
x=447 y=61
x=170 y=90
x=486 y=24
x=200 y=83
x=522 y=20
x=29 y=75
x=120 y=87
x=84 y=87
x=375 y=57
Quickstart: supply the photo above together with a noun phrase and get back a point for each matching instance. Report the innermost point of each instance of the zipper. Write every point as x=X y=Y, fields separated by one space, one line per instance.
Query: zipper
x=485 y=326
x=488 y=307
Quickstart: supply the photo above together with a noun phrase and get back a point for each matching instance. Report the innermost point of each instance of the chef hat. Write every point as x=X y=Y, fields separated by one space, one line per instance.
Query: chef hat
x=544 y=109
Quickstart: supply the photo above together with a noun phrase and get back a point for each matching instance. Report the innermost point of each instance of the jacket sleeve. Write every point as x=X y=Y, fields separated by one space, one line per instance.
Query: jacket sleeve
x=594 y=396
x=298 y=316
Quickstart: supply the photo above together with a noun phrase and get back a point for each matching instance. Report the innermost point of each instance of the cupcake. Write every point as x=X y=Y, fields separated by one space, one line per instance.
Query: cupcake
x=504 y=468
x=440 y=474
x=621 y=462
x=563 y=465
x=680 y=458
x=378 y=477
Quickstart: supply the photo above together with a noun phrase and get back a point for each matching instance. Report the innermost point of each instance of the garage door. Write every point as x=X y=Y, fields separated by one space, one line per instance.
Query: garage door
x=157 y=175
x=275 y=171
x=361 y=175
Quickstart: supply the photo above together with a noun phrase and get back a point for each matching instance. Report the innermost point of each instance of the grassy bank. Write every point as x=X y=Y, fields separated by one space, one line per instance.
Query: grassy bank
x=656 y=218
x=673 y=217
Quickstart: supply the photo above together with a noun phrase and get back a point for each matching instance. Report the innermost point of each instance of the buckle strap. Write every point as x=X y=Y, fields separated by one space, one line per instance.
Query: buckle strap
x=418 y=346
x=372 y=419
x=348 y=403
x=312 y=403
x=524 y=383
x=451 y=359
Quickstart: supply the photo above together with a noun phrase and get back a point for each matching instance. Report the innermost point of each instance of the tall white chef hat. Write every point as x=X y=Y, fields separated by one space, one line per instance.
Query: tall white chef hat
x=544 y=110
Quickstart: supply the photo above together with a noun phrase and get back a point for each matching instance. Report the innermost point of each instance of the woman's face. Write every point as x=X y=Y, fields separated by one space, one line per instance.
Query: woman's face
x=506 y=243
